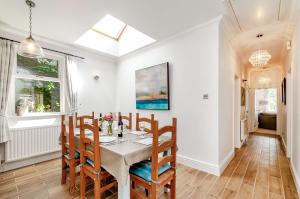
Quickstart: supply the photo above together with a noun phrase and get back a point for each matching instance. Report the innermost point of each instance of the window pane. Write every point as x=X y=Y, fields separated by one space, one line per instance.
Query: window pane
x=41 y=67
x=37 y=96
x=110 y=26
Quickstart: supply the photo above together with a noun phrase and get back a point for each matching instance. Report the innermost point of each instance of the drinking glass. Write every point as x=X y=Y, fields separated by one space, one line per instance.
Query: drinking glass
x=142 y=127
x=125 y=128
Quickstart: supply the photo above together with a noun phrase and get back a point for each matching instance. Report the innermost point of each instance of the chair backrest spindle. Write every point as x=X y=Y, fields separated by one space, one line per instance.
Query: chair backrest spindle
x=128 y=119
x=77 y=118
x=90 y=146
x=149 y=121
x=161 y=147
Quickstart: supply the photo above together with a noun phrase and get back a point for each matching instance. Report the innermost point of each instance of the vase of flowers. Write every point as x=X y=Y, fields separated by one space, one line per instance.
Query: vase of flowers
x=109 y=120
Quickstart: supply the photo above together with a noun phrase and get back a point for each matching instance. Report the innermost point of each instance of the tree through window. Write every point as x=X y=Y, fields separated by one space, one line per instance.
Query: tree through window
x=37 y=85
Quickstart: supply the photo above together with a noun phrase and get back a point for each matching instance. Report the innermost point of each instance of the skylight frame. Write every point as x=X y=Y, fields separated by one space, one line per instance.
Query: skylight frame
x=114 y=37
x=119 y=35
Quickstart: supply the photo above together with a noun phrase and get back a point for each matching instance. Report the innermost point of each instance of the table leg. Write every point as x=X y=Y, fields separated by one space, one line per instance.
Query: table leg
x=124 y=190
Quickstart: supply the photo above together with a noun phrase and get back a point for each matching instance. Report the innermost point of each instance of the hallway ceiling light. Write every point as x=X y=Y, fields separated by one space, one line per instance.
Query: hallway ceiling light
x=259 y=58
x=29 y=47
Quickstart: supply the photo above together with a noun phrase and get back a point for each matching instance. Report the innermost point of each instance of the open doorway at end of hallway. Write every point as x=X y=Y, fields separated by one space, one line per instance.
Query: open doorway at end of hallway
x=266 y=110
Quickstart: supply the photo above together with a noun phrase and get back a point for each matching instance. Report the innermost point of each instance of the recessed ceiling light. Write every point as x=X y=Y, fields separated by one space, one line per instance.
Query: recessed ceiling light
x=260 y=35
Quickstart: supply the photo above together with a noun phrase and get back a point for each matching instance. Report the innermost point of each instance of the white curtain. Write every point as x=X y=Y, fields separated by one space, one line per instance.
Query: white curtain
x=7 y=68
x=71 y=77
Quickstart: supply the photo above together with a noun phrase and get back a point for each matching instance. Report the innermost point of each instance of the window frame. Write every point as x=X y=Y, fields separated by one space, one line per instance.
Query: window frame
x=59 y=79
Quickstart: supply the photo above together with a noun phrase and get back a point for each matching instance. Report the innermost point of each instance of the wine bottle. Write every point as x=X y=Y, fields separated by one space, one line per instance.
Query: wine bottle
x=100 y=122
x=120 y=126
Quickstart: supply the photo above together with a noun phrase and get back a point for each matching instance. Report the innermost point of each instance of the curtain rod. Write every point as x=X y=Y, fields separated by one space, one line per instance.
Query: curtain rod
x=56 y=51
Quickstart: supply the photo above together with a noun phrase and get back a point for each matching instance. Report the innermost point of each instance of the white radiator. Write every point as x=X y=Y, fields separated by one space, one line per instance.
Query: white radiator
x=30 y=142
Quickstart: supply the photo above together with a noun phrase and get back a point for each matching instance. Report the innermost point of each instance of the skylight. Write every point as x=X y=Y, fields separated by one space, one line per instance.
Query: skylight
x=110 y=26
x=112 y=36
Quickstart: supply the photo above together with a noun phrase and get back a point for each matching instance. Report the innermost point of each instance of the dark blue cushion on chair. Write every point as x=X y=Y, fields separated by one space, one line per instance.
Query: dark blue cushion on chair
x=143 y=169
x=77 y=154
x=90 y=162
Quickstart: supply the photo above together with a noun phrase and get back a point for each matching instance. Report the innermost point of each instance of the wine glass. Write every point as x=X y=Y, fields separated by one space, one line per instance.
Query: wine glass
x=142 y=127
x=125 y=128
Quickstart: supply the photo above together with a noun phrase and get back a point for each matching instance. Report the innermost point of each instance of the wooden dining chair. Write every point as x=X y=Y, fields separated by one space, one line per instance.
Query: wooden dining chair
x=159 y=172
x=146 y=120
x=70 y=157
x=77 y=118
x=128 y=120
x=90 y=160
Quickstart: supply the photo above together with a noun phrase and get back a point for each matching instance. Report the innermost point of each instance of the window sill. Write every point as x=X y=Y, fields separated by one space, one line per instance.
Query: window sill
x=35 y=116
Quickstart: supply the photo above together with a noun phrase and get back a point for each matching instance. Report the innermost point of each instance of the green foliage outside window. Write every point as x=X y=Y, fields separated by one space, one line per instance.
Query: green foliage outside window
x=37 y=95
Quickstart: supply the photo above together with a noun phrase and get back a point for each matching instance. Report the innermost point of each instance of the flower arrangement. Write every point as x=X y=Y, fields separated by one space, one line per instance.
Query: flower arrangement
x=109 y=119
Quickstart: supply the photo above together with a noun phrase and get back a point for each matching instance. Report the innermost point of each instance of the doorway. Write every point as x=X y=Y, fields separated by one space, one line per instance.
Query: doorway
x=266 y=110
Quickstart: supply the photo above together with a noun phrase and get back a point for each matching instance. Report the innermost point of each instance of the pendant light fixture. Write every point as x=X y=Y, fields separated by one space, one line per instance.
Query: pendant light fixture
x=29 y=47
x=260 y=57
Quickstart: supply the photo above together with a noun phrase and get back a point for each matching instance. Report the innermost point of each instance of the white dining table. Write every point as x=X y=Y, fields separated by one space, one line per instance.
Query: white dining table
x=118 y=156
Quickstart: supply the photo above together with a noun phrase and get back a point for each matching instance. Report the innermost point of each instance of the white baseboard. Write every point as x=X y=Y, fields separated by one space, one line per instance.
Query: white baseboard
x=7 y=166
x=283 y=143
x=296 y=177
x=199 y=165
x=226 y=161
x=205 y=166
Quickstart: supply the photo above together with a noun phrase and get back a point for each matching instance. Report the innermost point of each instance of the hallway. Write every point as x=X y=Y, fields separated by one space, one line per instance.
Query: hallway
x=259 y=170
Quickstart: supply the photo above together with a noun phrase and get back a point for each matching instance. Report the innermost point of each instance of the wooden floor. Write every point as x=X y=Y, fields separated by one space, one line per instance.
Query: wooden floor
x=259 y=170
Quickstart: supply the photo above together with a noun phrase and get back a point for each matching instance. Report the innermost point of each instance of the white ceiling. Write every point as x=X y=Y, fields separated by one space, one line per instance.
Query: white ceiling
x=273 y=18
x=67 y=20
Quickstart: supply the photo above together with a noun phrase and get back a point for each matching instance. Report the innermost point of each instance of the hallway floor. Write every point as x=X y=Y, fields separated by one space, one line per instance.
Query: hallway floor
x=259 y=170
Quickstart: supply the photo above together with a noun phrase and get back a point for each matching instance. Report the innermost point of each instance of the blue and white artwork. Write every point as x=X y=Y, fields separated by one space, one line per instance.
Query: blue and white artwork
x=152 y=87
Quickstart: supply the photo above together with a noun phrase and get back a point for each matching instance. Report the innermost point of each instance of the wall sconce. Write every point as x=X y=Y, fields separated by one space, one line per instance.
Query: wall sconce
x=96 y=77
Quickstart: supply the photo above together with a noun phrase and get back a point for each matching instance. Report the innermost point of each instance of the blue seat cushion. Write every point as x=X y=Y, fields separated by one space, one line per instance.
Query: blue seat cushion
x=143 y=169
x=90 y=162
x=77 y=154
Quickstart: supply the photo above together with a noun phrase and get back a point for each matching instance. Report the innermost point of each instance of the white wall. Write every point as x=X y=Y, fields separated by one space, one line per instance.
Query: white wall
x=295 y=153
x=193 y=59
x=97 y=95
x=228 y=68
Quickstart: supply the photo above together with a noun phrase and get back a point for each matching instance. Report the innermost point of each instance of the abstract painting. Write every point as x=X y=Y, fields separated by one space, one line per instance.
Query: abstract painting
x=152 y=87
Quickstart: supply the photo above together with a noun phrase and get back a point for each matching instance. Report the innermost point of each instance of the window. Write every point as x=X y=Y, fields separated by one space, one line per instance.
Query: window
x=37 y=86
x=266 y=100
x=110 y=26
x=112 y=36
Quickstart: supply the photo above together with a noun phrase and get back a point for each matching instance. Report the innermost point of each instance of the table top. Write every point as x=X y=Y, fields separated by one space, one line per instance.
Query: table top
x=117 y=158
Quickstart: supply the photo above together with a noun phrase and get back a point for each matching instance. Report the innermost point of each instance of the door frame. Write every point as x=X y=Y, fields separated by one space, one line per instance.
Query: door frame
x=289 y=114
x=237 y=111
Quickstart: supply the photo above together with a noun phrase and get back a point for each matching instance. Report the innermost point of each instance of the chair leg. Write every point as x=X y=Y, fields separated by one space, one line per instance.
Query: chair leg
x=97 y=184
x=82 y=184
x=146 y=192
x=173 y=188
x=72 y=176
x=131 y=188
x=63 y=171
x=153 y=191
